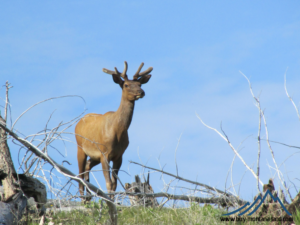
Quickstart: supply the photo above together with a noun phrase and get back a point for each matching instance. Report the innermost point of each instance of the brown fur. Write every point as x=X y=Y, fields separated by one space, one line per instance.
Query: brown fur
x=104 y=138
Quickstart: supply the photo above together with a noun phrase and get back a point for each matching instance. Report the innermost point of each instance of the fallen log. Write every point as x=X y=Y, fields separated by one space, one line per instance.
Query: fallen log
x=12 y=210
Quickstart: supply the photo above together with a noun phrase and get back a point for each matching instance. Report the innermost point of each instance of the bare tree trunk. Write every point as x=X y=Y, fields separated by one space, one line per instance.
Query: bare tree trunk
x=7 y=169
x=12 y=200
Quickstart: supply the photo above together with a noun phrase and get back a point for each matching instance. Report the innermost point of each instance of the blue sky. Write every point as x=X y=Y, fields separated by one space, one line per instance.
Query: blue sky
x=196 y=48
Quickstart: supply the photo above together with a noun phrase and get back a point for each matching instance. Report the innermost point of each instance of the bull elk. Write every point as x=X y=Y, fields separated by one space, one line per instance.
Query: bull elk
x=104 y=138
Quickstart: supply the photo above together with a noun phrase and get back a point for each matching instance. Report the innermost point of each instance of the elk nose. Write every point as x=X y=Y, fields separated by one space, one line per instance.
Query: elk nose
x=142 y=93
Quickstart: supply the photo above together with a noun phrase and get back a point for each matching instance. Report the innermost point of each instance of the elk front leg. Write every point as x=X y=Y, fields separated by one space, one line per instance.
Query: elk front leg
x=89 y=165
x=116 y=167
x=81 y=157
x=106 y=173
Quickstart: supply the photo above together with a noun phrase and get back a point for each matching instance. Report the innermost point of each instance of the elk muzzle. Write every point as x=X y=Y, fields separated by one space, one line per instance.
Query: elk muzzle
x=140 y=94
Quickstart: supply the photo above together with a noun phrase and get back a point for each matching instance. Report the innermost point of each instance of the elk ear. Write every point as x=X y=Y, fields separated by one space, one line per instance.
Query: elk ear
x=144 y=79
x=118 y=80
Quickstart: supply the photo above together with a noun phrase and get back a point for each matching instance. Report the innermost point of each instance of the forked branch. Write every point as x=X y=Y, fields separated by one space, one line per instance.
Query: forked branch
x=267 y=137
x=259 y=126
x=234 y=150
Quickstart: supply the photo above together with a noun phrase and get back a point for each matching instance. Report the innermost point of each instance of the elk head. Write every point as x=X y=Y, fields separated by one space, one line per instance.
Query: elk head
x=131 y=88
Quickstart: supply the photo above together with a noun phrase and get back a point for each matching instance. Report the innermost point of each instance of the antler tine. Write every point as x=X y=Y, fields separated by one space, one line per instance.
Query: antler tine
x=138 y=74
x=146 y=71
x=116 y=72
x=124 y=75
x=108 y=71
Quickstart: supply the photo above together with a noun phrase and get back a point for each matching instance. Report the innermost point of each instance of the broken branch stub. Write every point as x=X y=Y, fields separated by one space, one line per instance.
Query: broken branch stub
x=139 y=187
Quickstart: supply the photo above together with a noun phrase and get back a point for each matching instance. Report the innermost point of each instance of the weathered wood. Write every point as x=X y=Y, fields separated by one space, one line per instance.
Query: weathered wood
x=30 y=187
x=6 y=165
x=11 y=212
x=271 y=208
x=1 y=194
x=2 y=173
x=138 y=187
x=13 y=202
x=33 y=188
x=294 y=206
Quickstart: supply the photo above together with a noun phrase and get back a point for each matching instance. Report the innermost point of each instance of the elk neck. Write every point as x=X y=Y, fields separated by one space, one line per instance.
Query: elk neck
x=124 y=114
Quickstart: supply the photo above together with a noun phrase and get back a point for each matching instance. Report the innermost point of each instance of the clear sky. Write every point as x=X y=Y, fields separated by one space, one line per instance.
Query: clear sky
x=197 y=48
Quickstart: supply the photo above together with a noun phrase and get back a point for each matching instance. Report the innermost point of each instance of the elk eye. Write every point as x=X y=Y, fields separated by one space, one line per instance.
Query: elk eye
x=126 y=85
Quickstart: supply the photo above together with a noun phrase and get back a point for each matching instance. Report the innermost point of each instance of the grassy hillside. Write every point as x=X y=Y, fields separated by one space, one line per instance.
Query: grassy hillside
x=195 y=214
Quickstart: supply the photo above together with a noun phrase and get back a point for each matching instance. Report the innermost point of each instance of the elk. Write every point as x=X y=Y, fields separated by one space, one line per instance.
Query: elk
x=104 y=138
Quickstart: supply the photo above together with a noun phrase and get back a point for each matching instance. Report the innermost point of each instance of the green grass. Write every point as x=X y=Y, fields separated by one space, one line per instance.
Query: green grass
x=296 y=217
x=194 y=214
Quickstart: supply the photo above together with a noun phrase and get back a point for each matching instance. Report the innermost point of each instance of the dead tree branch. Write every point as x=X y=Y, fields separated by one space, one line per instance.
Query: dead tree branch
x=267 y=135
x=290 y=96
x=65 y=172
x=234 y=150
x=66 y=96
x=276 y=142
x=259 y=127
x=6 y=100
x=186 y=180
x=213 y=200
x=273 y=157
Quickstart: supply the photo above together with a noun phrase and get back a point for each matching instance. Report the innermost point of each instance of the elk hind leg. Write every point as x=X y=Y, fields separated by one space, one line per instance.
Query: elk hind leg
x=81 y=157
x=89 y=165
